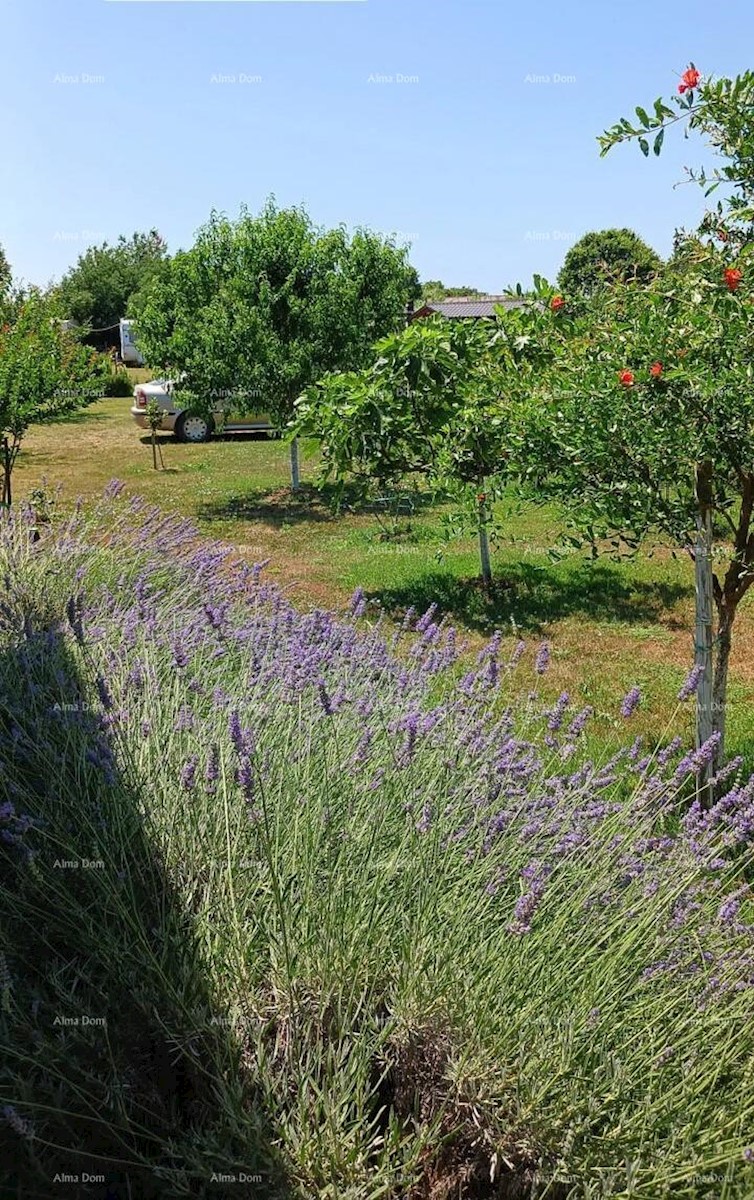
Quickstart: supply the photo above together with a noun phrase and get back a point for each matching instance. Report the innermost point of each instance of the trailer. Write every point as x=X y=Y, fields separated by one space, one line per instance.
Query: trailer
x=129 y=351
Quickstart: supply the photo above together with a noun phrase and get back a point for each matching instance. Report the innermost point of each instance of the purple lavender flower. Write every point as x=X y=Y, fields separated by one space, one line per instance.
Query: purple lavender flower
x=180 y=656
x=631 y=702
x=212 y=770
x=245 y=778
x=542 y=660
x=423 y=824
x=185 y=720
x=235 y=732
x=579 y=721
x=358 y=604
x=556 y=714
x=748 y=1155
x=325 y=699
x=113 y=489
x=517 y=654
x=188 y=773
x=691 y=683
x=423 y=622
x=73 y=610
x=17 y=1123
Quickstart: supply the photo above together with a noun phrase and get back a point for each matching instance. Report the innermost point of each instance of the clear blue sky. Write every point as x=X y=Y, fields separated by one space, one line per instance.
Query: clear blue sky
x=409 y=116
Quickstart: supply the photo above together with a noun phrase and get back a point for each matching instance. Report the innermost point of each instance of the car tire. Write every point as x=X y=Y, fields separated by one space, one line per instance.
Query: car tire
x=193 y=427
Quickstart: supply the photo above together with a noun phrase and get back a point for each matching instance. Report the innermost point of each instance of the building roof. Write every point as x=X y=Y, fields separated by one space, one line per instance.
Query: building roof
x=464 y=307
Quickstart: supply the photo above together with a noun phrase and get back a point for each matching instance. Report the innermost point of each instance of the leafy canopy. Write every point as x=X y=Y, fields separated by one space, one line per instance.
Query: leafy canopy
x=45 y=372
x=605 y=257
x=98 y=291
x=261 y=307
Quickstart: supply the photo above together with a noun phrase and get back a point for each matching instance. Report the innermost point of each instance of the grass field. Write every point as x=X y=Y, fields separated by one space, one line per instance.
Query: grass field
x=610 y=626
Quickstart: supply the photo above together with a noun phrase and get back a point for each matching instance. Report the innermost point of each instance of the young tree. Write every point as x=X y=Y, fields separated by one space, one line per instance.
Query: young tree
x=261 y=307
x=441 y=400
x=98 y=291
x=605 y=257
x=44 y=373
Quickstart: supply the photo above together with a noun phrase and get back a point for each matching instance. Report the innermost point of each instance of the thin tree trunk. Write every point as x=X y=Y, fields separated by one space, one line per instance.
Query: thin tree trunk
x=295 y=471
x=7 y=470
x=154 y=447
x=726 y=616
x=703 y=634
x=484 y=541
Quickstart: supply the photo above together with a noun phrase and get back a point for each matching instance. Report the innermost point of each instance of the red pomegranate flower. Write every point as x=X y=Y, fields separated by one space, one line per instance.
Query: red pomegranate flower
x=557 y=303
x=656 y=370
x=689 y=80
x=626 y=378
x=732 y=278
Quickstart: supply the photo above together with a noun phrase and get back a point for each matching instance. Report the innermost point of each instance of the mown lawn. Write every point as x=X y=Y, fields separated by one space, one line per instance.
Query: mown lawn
x=610 y=625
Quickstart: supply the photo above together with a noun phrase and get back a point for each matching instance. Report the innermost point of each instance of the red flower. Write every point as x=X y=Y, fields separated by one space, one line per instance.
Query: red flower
x=557 y=303
x=732 y=278
x=626 y=378
x=656 y=370
x=689 y=80
x=481 y=497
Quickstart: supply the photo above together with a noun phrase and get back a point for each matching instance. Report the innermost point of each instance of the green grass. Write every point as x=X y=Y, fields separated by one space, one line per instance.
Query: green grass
x=610 y=625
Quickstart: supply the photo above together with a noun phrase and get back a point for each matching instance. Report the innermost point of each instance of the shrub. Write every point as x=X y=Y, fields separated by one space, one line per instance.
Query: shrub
x=118 y=384
x=358 y=918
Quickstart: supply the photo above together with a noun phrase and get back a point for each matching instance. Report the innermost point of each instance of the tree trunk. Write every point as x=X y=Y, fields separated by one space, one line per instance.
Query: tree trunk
x=703 y=634
x=295 y=472
x=726 y=616
x=484 y=541
x=7 y=469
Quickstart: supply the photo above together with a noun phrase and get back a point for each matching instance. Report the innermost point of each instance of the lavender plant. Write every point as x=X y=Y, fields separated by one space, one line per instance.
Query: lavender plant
x=383 y=916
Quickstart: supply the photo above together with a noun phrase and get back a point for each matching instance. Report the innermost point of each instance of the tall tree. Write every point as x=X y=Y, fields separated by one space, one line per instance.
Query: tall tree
x=261 y=307
x=98 y=291
x=604 y=257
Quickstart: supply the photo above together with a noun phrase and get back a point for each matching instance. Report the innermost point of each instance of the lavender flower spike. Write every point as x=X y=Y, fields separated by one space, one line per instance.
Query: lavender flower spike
x=542 y=661
x=691 y=683
x=630 y=703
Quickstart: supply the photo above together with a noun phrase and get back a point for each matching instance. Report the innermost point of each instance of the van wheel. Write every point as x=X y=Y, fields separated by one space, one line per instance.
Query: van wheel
x=192 y=427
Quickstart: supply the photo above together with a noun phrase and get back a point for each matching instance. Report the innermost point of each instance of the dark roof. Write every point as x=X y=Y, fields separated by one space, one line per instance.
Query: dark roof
x=483 y=307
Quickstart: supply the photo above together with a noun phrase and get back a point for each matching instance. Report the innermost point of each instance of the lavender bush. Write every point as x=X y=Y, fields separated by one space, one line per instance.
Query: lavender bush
x=363 y=894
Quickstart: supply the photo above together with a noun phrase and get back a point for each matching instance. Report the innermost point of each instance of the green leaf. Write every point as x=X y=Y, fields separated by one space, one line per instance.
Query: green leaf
x=644 y=146
x=657 y=147
x=643 y=116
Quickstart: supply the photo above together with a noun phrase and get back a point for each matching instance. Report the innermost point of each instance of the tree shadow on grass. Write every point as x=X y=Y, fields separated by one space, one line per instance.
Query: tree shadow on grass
x=110 y=1045
x=322 y=504
x=530 y=595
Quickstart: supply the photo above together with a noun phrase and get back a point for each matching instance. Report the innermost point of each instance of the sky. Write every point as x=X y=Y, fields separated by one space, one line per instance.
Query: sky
x=464 y=127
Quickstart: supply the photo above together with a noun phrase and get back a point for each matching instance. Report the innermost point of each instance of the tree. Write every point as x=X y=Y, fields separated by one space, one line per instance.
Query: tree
x=605 y=257
x=5 y=275
x=647 y=427
x=722 y=110
x=434 y=289
x=98 y=291
x=44 y=372
x=441 y=400
x=260 y=308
